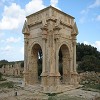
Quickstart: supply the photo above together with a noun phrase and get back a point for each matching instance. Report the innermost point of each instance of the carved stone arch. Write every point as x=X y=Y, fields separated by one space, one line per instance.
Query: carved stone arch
x=32 y=44
x=34 y=72
x=47 y=33
x=64 y=62
x=64 y=42
x=29 y=52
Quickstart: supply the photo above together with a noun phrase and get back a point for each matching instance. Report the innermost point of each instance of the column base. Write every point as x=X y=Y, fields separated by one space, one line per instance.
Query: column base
x=74 y=78
x=44 y=81
x=50 y=81
x=26 y=77
x=44 y=74
x=33 y=78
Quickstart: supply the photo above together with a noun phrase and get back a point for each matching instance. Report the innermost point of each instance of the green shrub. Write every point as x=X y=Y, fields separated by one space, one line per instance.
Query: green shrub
x=7 y=85
x=0 y=76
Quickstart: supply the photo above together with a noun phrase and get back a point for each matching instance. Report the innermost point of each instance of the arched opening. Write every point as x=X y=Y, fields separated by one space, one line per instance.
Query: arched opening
x=64 y=63
x=36 y=60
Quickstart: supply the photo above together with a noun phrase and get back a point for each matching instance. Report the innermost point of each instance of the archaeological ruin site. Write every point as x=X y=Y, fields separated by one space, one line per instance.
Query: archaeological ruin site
x=55 y=66
x=51 y=33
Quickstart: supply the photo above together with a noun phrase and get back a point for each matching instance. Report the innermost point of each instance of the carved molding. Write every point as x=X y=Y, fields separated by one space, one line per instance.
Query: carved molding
x=44 y=32
x=56 y=31
x=52 y=14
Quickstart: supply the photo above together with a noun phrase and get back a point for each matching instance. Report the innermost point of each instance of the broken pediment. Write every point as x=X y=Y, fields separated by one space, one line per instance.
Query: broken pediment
x=74 y=29
x=25 y=29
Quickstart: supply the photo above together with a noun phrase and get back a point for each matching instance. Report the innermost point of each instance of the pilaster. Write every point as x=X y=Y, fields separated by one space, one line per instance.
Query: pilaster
x=54 y=75
x=56 y=38
x=74 y=74
x=44 y=39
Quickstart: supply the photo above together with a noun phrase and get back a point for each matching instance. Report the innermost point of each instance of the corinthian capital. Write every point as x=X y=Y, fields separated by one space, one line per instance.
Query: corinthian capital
x=44 y=32
x=56 y=32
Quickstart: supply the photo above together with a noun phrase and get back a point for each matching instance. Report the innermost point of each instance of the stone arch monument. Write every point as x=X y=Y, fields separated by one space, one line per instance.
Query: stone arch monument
x=52 y=32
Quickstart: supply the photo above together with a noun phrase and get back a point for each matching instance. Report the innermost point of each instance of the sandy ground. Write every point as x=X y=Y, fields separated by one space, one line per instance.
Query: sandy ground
x=22 y=94
x=9 y=94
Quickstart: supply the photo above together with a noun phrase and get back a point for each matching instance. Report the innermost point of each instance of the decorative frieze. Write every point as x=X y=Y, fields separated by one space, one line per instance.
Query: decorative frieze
x=48 y=14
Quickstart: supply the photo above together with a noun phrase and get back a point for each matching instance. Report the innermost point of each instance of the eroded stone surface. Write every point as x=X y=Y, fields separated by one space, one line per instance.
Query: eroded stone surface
x=50 y=31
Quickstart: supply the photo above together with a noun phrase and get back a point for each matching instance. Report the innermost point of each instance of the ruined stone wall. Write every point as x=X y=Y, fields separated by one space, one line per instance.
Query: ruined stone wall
x=12 y=69
x=90 y=77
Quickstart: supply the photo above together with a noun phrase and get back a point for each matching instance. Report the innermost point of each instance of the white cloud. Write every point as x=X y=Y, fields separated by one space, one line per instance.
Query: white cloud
x=86 y=42
x=13 y=40
x=33 y=6
x=95 y=4
x=98 y=18
x=22 y=50
x=2 y=2
x=6 y=49
x=96 y=44
x=85 y=12
x=54 y=2
x=13 y=17
x=82 y=20
x=1 y=35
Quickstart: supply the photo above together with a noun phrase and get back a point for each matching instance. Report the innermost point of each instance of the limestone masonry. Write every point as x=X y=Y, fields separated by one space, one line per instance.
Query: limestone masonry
x=12 y=69
x=53 y=32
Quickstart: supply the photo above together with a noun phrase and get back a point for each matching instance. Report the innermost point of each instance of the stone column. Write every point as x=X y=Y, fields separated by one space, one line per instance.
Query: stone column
x=71 y=64
x=56 y=37
x=25 y=60
x=71 y=68
x=52 y=54
x=44 y=38
x=74 y=74
x=56 y=40
x=26 y=33
x=74 y=55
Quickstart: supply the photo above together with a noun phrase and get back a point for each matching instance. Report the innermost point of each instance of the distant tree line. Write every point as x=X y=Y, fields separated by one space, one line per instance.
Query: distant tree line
x=3 y=62
x=88 y=58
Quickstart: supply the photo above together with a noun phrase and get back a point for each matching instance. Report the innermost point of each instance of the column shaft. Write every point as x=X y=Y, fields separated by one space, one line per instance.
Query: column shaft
x=52 y=51
x=25 y=54
x=74 y=54
x=26 y=76
x=44 y=59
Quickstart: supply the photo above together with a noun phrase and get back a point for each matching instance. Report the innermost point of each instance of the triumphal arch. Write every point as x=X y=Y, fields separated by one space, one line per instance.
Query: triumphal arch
x=50 y=50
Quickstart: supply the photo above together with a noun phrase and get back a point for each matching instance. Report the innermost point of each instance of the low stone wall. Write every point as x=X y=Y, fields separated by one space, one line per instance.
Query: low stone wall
x=90 y=77
x=13 y=70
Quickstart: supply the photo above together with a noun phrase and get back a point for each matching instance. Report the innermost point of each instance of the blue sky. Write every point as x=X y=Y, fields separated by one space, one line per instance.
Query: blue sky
x=12 y=17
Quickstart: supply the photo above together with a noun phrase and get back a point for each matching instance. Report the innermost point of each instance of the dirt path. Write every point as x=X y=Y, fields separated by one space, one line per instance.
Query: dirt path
x=9 y=94
x=22 y=94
